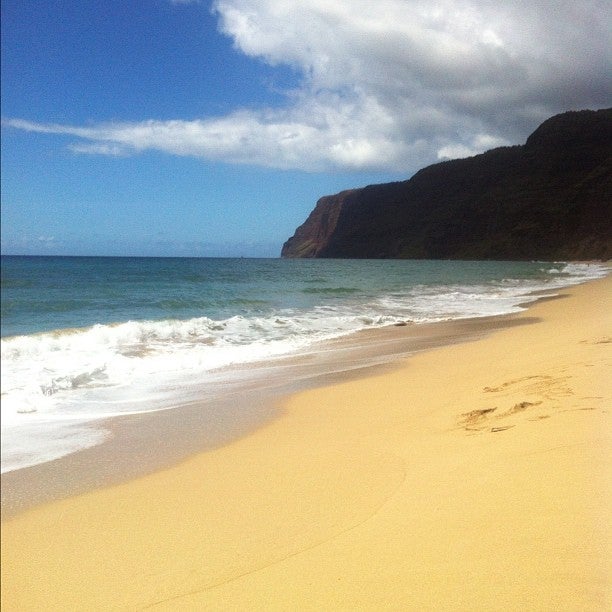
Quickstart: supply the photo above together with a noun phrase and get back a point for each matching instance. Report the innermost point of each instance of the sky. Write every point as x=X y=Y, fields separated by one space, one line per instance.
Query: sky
x=211 y=127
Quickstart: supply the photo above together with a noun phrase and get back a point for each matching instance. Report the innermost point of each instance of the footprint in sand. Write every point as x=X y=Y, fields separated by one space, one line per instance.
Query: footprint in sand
x=480 y=420
x=539 y=385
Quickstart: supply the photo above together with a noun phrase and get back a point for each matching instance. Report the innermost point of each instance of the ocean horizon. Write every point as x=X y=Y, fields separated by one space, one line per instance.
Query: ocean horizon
x=88 y=338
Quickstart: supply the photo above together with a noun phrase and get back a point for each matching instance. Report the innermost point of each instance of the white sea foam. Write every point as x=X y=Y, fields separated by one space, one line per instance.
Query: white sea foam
x=55 y=384
x=36 y=442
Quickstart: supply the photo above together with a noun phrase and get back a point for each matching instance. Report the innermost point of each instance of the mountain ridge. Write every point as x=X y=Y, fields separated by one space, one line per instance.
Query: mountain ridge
x=549 y=198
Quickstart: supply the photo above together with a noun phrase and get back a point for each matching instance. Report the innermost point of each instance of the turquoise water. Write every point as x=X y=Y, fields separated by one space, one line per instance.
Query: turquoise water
x=52 y=293
x=86 y=338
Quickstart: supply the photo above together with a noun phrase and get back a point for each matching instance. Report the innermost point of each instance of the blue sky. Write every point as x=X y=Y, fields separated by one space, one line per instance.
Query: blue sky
x=199 y=128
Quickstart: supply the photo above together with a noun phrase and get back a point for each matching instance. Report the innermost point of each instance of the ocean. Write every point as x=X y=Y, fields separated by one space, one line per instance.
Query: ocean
x=88 y=338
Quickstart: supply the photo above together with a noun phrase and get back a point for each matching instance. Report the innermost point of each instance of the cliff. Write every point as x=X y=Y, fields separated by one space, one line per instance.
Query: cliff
x=547 y=199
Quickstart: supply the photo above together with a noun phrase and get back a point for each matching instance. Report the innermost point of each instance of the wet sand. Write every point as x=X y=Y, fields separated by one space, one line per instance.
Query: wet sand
x=141 y=444
x=473 y=476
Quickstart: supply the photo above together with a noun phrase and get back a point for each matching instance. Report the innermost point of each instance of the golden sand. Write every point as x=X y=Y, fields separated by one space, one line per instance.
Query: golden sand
x=474 y=477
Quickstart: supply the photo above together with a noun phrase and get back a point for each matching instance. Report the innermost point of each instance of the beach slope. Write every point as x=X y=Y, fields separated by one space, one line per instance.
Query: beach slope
x=476 y=476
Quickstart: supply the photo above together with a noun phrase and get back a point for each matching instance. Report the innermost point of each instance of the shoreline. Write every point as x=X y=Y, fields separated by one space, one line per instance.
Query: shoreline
x=132 y=448
x=472 y=475
x=33 y=440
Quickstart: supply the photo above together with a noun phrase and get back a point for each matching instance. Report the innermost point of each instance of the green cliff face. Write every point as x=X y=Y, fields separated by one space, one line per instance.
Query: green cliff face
x=547 y=199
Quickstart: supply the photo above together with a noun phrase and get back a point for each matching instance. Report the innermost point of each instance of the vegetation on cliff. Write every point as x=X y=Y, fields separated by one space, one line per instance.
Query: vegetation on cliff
x=547 y=199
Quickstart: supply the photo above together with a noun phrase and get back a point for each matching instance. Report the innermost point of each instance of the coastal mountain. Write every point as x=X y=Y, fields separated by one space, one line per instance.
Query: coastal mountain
x=549 y=199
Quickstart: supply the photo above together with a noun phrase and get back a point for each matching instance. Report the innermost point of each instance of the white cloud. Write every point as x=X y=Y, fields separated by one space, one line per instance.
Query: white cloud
x=318 y=137
x=389 y=84
x=98 y=148
x=480 y=143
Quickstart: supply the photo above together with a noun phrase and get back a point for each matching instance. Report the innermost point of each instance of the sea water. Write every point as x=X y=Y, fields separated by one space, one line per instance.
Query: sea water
x=87 y=338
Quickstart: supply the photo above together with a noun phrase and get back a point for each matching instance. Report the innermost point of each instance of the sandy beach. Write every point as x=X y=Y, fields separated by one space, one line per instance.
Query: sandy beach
x=475 y=476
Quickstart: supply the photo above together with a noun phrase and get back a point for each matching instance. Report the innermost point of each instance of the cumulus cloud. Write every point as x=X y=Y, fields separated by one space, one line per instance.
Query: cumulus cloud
x=389 y=84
